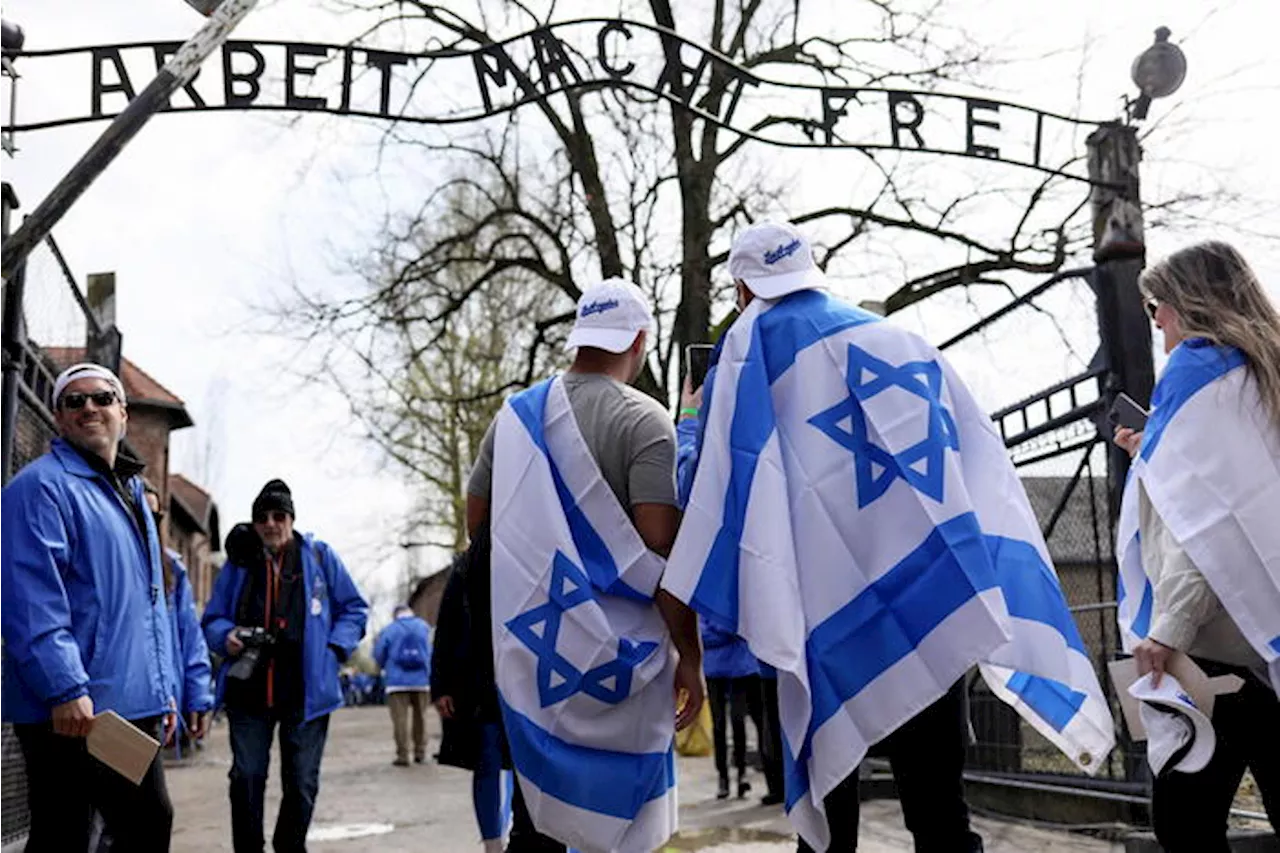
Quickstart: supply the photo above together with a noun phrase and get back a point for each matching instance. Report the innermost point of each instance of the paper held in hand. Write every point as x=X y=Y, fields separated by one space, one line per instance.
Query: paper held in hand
x=122 y=746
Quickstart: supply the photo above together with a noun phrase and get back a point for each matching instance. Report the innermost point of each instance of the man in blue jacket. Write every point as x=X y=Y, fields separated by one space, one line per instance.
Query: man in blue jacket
x=403 y=651
x=84 y=622
x=286 y=613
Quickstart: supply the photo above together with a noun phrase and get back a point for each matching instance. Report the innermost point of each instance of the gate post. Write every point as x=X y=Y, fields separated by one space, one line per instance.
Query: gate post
x=1124 y=329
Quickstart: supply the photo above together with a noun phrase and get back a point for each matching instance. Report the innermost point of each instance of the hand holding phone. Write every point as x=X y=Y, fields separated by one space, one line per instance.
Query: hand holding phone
x=697 y=358
x=1125 y=412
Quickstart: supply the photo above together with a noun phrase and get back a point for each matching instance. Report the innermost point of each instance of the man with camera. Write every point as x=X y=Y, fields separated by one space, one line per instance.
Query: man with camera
x=84 y=622
x=286 y=613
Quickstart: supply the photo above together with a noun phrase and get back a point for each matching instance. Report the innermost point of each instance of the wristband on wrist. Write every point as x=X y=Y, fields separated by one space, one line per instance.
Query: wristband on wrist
x=690 y=411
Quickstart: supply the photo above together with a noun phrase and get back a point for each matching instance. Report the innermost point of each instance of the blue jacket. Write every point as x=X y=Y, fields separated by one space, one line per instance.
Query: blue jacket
x=194 y=688
x=83 y=608
x=724 y=654
x=336 y=616
x=398 y=642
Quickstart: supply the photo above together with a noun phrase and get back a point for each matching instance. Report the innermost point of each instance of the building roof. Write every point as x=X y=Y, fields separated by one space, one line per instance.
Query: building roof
x=142 y=388
x=1082 y=533
x=196 y=506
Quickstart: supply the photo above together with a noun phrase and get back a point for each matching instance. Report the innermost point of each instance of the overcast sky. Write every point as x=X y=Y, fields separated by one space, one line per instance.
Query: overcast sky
x=206 y=215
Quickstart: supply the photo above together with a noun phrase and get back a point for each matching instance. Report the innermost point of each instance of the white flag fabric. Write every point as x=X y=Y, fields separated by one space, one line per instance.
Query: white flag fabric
x=584 y=664
x=855 y=517
x=1210 y=465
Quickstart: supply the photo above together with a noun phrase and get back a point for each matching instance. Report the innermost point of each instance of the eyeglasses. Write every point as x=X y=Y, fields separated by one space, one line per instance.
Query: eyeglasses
x=276 y=516
x=1152 y=306
x=76 y=400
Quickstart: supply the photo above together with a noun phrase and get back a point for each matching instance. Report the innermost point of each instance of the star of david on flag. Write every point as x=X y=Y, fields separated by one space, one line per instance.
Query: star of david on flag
x=539 y=629
x=922 y=464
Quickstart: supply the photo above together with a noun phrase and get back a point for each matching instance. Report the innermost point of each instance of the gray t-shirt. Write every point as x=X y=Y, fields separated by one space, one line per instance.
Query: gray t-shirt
x=629 y=434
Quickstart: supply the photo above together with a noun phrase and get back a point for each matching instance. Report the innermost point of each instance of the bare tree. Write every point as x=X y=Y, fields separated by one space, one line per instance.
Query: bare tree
x=469 y=294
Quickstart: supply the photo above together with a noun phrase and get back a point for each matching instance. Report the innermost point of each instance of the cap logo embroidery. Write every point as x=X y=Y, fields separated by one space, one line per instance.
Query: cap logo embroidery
x=598 y=307
x=786 y=250
x=1185 y=698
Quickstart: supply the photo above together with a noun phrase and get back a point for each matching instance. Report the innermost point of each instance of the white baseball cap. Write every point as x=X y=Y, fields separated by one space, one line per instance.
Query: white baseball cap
x=774 y=259
x=1179 y=735
x=610 y=315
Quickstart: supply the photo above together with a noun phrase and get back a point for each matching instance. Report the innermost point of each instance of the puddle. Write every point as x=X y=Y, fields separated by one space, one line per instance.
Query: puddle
x=345 y=831
x=689 y=840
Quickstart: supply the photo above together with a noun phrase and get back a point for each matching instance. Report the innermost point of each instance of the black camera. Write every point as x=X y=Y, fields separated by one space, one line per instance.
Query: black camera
x=255 y=640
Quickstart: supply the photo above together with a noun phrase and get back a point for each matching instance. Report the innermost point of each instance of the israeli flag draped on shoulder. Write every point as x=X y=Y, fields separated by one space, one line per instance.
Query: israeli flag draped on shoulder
x=1210 y=465
x=583 y=661
x=856 y=518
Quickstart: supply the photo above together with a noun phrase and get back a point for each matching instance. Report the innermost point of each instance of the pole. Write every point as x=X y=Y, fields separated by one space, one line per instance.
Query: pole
x=177 y=73
x=1119 y=250
x=1124 y=329
x=12 y=343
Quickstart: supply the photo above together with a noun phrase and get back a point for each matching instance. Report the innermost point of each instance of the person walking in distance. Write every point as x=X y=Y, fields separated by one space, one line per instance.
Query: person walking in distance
x=403 y=650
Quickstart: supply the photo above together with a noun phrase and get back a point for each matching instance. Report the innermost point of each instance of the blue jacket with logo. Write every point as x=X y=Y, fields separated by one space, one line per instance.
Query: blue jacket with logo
x=84 y=610
x=194 y=687
x=400 y=647
x=336 y=616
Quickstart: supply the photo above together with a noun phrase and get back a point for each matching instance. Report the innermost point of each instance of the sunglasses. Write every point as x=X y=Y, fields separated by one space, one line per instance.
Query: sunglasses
x=276 y=516
x=76 y=400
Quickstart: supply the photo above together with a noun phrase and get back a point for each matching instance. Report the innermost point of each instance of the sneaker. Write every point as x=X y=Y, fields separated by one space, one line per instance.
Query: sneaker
x=722 y=793
x=744 y=787
x=401 y=762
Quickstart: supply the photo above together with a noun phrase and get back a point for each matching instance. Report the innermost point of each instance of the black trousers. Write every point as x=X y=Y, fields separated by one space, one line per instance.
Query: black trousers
x=524 y=837
x=1189 y=810
x=66 y=786
x=729 y=706
x=926 y=754
x=771 y=739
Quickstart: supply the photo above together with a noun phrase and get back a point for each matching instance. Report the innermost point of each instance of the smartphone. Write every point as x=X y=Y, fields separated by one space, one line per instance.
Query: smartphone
x=697 y=358
x=1126 y=412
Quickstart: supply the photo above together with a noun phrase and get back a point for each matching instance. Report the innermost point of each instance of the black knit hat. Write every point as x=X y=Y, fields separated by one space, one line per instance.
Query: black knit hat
x=274 y=495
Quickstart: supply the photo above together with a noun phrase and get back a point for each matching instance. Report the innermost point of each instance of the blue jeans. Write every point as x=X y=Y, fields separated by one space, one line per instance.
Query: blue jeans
x=301 y=747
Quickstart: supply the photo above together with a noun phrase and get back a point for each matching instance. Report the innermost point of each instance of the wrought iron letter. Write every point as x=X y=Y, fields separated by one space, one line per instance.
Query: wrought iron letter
x=497 y=71
x=674 y=70
x=833 y=109
x=165 y=52
x=740 y=78
x=896 y=124
x=292 y=70
x=552 y=60
x=100 y=88
x=230 y=77
x=970 y=122
x=384 y=62
x=613 y=71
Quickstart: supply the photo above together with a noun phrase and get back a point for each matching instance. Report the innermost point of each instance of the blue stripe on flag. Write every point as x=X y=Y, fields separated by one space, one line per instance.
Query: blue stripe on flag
x=1275 y=644
x=796 y=322
x=1053 y=702
x=889 y=619
x=530 y=406
x=886 y=622
x=1031 y=589
x=1192 y=365
x=617 y=784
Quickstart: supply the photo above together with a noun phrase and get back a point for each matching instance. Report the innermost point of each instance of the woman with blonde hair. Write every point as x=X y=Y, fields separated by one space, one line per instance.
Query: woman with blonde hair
x=1199 y=538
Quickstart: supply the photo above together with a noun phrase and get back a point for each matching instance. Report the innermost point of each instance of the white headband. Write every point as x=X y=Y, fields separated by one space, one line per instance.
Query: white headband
x=86 y=370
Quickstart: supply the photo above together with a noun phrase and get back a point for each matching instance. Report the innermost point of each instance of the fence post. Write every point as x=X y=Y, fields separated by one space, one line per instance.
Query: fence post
x=14 y=335
x=1124 y=329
